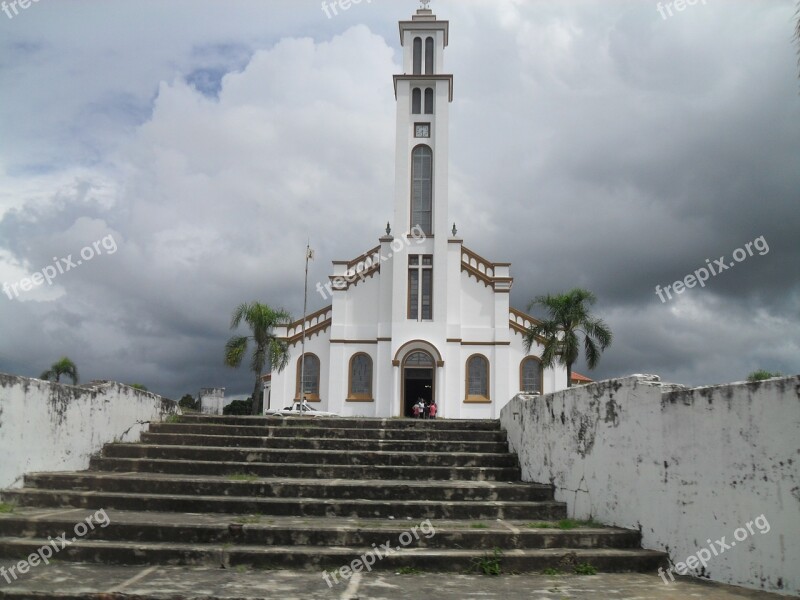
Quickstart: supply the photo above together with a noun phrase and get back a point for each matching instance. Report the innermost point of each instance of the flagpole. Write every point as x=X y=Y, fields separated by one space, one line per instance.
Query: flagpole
x=303 y=343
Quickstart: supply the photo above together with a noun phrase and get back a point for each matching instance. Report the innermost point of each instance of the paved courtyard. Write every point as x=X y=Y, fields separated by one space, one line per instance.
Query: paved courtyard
x=75 y=580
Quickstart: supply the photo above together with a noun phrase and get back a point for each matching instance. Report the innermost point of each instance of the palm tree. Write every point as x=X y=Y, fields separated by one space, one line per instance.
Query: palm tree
x=568 y=317
x=262 y=320
x=64 y=366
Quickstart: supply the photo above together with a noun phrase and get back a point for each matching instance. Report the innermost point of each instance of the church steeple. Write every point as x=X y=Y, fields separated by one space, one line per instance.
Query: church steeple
x=423 y=93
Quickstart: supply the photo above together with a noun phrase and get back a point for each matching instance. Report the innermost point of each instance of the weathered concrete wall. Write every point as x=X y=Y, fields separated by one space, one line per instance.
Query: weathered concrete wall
x=685 y=466
x=54 y=427
x=212 y=401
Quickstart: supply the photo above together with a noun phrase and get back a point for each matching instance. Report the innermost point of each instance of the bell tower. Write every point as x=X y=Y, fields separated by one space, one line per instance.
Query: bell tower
x=423 y=92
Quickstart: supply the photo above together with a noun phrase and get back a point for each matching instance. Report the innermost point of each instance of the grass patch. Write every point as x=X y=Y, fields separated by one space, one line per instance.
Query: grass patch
x=551 y=571
x=6 y=508
x=541 y=525
x=242 y=477
x=489 y=564
x=247 y=519
x=409 y=571
x=479 y=526
x=173 y=419
x=585 y=569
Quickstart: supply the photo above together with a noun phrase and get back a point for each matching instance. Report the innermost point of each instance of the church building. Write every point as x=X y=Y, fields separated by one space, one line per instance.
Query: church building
x=420 y=315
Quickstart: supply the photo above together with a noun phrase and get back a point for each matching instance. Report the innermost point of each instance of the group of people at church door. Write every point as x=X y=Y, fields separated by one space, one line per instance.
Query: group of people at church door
x=423 y=410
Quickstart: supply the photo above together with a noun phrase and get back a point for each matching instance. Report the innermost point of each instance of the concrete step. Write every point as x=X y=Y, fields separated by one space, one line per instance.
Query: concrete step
x=432 y=559
x=305 y=507
x=317 y=429
x=188 y=439
x=134 y=483
x=348 y=422
x=360 y=472
x=316 y=457
x=259 y=530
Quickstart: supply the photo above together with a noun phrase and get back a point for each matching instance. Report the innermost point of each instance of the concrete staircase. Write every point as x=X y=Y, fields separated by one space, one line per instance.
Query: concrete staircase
x=313 y=493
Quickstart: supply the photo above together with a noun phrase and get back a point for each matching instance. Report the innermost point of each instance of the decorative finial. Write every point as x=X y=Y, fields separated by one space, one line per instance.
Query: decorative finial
x=455 y=231
x=424 y=4
x=388 y=228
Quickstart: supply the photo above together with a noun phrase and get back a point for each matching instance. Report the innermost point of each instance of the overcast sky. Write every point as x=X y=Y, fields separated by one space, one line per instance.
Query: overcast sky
x=594 y=144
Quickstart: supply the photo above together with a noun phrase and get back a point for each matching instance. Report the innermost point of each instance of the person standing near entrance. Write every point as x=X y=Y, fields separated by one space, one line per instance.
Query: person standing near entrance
x=432 y=410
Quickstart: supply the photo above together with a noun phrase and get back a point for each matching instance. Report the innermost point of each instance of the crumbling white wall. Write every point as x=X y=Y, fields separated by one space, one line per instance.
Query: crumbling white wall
x=683 y=465
x=212 y=401
x=48 y=426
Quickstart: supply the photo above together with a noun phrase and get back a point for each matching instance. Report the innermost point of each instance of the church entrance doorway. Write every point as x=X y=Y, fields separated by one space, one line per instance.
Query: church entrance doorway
x=418 y=380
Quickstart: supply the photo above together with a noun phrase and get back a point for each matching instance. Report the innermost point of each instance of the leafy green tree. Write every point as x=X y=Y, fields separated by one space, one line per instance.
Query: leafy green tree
x=64 y=366
x=267 y=349
x=568 y=319
x=761 y=375
x=239 y=407
x=188 y=402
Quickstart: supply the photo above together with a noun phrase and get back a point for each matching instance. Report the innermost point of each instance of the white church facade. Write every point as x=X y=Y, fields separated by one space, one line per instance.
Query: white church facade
x=420 y=315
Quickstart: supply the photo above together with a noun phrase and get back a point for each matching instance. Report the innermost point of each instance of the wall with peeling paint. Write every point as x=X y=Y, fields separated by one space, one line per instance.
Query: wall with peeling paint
x=684 y=466
x=48 y=426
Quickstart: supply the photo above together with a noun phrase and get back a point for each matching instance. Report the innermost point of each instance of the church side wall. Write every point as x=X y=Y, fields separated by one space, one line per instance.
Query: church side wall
x=284 y=383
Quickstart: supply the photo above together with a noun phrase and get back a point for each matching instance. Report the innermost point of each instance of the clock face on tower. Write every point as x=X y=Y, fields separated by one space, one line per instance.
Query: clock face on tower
x=422 y=130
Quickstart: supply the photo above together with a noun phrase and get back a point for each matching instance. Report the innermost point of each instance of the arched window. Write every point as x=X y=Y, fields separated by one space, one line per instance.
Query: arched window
x=477 y=379
x=429 y=101
x=419 y=360
x=360 y=387
x=417 y=56
x=429 y=56
x=416 y=101
x=422 y=189
x=311 y=378
x=530 y=375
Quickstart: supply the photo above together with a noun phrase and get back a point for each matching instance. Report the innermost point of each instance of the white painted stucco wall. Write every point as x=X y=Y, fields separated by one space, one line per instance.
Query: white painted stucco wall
x=213 y=401
x=48 y=426
x=682 y=465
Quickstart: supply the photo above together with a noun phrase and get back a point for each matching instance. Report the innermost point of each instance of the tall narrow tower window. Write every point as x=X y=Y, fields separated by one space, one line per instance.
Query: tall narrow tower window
x=420 y=287
x=429 y=56
x=416 y=101
x=429 y=101
x=422 y=189
x=417 y=56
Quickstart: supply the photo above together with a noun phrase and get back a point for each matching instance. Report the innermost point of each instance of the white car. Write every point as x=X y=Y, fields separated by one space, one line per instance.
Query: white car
x=295 y=411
